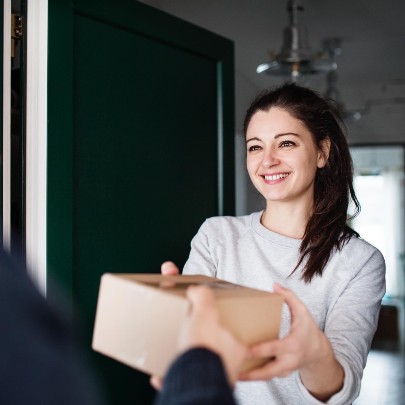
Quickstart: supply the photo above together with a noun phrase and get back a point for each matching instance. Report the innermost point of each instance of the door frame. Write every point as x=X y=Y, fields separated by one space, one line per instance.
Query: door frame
x=36 y=141
x=36 y=135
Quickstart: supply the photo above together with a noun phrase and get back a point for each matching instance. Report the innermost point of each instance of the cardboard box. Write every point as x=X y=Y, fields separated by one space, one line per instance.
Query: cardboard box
x=139 y=317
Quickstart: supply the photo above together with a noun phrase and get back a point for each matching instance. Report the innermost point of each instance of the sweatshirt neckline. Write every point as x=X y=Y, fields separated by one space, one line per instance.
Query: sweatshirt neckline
x=271 y=236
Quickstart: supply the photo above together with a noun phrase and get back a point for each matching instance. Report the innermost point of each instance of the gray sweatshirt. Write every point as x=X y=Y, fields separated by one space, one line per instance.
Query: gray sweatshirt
x=344 y=302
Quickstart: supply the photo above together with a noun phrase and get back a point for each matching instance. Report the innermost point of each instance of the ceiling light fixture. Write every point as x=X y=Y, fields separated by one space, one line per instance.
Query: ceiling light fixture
x=295 y=57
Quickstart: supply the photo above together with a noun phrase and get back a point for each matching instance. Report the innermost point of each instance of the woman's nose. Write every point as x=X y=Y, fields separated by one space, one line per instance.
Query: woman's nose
x=269 y=159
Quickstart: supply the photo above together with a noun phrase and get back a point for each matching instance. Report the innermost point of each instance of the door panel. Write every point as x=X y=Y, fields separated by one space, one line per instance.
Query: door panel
x=150 y=153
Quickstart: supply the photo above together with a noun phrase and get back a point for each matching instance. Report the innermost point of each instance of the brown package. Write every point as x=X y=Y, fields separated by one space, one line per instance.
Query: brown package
x=139 y=317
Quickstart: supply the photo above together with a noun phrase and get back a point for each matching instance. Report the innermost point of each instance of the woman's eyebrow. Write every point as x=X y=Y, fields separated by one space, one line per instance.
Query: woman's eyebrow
x=253 y=139
x=287 y=133
x=277 y=136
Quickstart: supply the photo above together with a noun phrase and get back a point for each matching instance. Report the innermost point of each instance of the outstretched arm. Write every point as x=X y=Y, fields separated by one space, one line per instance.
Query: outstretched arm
x=306 y=348
x=210 y=357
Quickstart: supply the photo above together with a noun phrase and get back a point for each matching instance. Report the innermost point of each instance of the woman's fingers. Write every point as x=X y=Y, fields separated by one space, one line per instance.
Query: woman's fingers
x=294 y=351
x=295 y=305
x=169 y=269
x=266 y=349
x=273 y=368
x=281 y=360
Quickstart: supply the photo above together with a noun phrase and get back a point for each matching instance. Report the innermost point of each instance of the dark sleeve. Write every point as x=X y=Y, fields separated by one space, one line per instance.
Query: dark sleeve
x=40 y=361
x=197 y=377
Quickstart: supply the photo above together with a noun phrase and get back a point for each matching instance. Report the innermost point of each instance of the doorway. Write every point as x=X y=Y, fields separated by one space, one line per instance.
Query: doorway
x=379 y=186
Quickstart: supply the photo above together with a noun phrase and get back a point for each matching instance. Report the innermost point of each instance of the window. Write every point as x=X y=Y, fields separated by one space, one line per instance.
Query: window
x=379 y=186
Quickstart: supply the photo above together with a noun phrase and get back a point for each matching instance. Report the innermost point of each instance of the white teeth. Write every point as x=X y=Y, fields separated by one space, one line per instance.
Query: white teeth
x=276 y=176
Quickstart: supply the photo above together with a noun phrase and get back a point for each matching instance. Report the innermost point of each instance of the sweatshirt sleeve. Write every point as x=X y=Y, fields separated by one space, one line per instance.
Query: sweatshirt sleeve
x=352 y=320
x=197 y=377
x=201 y=259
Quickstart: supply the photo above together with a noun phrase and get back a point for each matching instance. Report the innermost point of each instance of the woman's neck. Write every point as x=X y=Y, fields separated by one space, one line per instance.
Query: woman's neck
x=286 y=219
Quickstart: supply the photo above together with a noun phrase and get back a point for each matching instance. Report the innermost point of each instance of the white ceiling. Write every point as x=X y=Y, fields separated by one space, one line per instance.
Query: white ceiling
x=371 y=68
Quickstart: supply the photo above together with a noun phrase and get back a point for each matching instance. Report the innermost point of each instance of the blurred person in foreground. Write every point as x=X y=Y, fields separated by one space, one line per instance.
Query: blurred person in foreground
x=41 y=364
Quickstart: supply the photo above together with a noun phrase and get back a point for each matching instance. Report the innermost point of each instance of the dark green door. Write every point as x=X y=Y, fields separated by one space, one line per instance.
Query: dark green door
x=140 y=150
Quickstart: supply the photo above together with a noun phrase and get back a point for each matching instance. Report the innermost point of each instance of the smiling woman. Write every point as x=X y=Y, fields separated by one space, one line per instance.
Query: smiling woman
x=299 y=138
x=298 y=159
x=282 y=164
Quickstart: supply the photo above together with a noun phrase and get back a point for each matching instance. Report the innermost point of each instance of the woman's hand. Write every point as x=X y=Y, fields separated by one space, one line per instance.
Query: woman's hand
x=305 y=348
x=169 y=269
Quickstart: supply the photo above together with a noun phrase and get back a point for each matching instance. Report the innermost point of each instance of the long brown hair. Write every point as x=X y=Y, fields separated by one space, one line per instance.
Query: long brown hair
x=327 y=227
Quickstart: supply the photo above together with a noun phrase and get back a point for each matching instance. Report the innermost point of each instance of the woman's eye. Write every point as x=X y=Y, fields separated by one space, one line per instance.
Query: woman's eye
x=287 y=144
x=254 y=148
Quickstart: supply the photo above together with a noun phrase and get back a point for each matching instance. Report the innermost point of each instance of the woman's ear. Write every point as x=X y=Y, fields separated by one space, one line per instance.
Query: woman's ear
x=323 y=154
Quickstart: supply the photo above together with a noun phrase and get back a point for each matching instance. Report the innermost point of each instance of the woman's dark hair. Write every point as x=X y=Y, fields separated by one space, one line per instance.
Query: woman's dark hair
x=327 y=227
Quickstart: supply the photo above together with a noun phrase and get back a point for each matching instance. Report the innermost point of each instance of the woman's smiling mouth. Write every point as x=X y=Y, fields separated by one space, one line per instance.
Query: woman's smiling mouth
x=273 y=177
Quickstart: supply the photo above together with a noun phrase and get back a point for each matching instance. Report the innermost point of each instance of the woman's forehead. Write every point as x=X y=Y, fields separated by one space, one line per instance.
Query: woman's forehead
x=275 y=120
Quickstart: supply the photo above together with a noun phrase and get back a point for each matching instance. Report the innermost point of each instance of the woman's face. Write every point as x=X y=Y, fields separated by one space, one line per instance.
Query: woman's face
x=282 y=157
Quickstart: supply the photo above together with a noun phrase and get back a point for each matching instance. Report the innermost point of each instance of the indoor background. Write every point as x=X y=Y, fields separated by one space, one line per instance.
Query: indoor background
x=365 y=38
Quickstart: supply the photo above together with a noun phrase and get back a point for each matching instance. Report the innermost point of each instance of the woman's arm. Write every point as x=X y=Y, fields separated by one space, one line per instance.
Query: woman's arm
x=306 y=348
x=350 y=324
